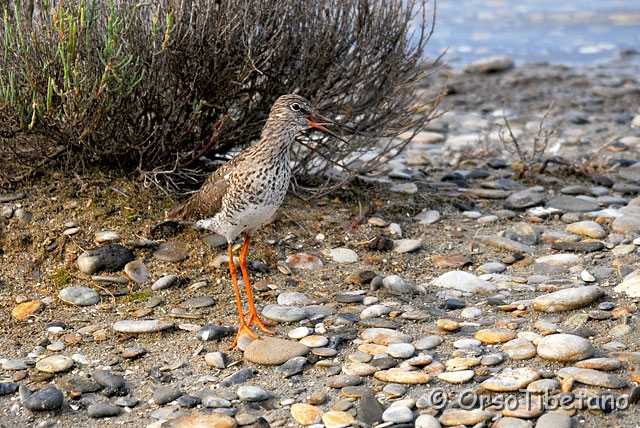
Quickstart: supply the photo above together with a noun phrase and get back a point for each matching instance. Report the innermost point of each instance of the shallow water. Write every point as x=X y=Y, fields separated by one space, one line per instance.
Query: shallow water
x=569 y=32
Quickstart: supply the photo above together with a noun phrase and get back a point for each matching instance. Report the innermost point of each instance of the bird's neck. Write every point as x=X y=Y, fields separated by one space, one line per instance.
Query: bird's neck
x=277 y=138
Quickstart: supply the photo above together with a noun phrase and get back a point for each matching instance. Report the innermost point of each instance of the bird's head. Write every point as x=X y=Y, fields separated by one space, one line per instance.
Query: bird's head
x=299 y=112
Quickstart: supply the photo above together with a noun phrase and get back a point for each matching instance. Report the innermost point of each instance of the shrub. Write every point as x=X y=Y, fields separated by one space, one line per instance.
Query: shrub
x=154 y=86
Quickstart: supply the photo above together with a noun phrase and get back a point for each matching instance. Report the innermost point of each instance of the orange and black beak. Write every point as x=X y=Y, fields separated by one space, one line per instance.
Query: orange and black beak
x=318 y=121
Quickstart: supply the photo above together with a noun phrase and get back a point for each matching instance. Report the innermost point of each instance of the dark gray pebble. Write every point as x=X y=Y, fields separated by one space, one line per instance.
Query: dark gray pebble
x=238 y=377
x=384 y=363
x=103 y=410
x=214 y=332
x=113 y=383
x=524 y=199
x=292 y=366
x=8 y=388
x=197 y=302
x=578 y=247
x=348 y=298
x=110 y=257
x=347 y=318
x=369 y=409
x=189 y=401
x=82 y=385
x=166 y=394
x=567 y=203
x=48 y=398
x=340 y=381
x=453 y=304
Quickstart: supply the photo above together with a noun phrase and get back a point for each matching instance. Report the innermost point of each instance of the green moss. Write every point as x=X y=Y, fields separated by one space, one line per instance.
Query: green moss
x=139 y=296
x=61 y=278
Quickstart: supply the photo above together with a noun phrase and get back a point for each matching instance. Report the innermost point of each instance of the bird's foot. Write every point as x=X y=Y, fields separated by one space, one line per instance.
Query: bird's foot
x=242 y=330
x=254 y=319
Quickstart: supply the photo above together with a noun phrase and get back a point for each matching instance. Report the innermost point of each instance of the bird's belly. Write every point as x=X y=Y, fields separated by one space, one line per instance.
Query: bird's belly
x=247 y=219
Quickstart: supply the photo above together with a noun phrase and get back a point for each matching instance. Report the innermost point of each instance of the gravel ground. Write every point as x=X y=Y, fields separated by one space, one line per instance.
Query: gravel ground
x=447 y=203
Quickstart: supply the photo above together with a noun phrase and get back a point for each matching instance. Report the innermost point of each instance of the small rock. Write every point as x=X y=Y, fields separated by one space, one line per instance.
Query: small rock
x=136 y=271
x=396 y=375
x=306 y=414
x=166 y=394
x=511 y=379
x=252 y=393
x=165 y=282
x=304 y=261
x=465 y=282
x=214 y=332
x=343 y=255
x=47 y=399
x=273 y=351
x=142 y=326
x=110 y=257
x=26 y=310
x=79 y=296
x=494 y=335
x=54 y=364
x=103 y=410
x=282 y=313
x=172 y=251
x=567 y=299
x=397 y=414
x=452 y=417
x=565 y=347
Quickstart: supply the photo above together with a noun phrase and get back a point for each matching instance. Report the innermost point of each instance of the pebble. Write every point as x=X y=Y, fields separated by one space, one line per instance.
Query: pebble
x=554 y=420
x=400 y=350
x=79 y=296
x=165 y=282
x=282 y=313
x=565 y=347
x=103 y=410
x=273 y=351
x=505 y=244
x=136 y=271
x=606 y=364
x=314 y=341
x=27 y=310
x=465 y=282
x=106 y=236
x=407 y=245
x=292 y=366
x=214 y=332
x=397 y=375
x=166 y=394
x=113 y=383
x=567 y=299
x=197 y=302
x=587 y=228
x=630 y=285
x=54 y=364
x=304 y=261
x=426 y=421
x=593 y=377
x=457 y=377
x=519 y=349
x=406 y=188
x=374 y=311
x=216 y=359
x=510 y=422
x=252 y=393
x=47 y=399
x=494 y=335
x=112 y=257
x=627 y=223
x=142 y=326
x=428 y=217
x=193 y=420
x=397 y=414
x=397 y=284
x=524 y=199
x=337 y=419
x=172 y=251
x=454 y=417
x=384 y=336
x=306 y=414
x=343 y=255
x=511 y=379
x=567 y=203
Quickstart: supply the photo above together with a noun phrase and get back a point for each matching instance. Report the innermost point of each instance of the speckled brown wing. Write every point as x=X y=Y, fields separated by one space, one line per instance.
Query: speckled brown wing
x=207 y=201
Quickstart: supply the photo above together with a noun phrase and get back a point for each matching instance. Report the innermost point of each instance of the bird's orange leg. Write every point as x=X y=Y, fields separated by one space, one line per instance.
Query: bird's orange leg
x=244 y=327
x=253 y=313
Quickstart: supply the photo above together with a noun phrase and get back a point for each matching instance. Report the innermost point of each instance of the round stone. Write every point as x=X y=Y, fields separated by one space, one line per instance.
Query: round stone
x=79 y=296
x=165 y=282
x=106 y=236
x=397 y=414
x=314 y=341
x=213 y=420
x=465 y=282
x=495 y=335
x=166 y=394
x=304 y=261
x=511 y=379
x=172 y=251
x=47 y=399
x=554 y=420
x=110 y=257
x=359 y=369
x=384 y=336
x=294 y=298
x=252 y=393
x=565 y=347
x=567 y=299
x=426 y=421
x=54 y=364
x=306 y=414
x=559 y=259
x=282 y=313
x=274 y=351
x=593 y=377
x=427 y=342
x=461 y=376
x=136 y=271
x=216 y=359
x=587 y=228
x=338 y=419
x=343 y=255
x=519 y=349
x=103 y=410
x=407 y=245
x=400 y=350
x=456 y=417
x=396 y=375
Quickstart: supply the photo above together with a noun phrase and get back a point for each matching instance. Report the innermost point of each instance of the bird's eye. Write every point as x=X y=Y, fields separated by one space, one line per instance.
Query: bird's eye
x=295 y=107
